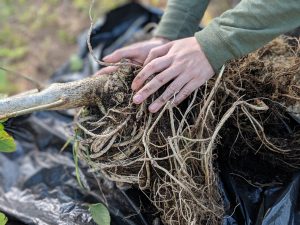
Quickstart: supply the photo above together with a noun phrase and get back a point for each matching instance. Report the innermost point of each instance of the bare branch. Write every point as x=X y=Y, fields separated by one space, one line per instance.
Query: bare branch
x=56 y=96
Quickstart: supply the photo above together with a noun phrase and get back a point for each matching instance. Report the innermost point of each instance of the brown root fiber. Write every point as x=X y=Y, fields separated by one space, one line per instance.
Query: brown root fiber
x=170 y=155
x=268 y=77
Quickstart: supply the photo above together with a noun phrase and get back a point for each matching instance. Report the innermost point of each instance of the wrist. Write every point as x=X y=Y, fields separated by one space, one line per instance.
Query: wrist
x=214 y=45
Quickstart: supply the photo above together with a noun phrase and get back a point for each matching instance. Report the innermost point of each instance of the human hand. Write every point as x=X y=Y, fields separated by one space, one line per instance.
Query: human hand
x=136 y=52
x=183 y=62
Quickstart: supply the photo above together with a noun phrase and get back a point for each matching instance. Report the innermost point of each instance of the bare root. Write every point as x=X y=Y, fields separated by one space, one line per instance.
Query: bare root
x=171 y=154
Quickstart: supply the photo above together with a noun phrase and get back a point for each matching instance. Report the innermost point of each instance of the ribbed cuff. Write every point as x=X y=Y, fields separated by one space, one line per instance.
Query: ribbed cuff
x=215 y=47
x=177 y=23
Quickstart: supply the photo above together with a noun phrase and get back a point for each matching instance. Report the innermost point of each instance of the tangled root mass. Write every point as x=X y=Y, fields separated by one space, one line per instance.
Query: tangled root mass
x=170 y=155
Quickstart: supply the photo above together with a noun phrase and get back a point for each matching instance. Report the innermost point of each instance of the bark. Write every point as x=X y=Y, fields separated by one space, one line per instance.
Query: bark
x=57 y=96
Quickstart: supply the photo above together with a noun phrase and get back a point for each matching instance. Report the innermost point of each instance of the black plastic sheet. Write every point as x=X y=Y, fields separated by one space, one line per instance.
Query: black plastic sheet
x=38 y=183
x=273 y=205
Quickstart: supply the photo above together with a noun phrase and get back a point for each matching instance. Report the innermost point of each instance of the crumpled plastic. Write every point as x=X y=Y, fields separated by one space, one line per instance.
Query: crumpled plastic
x=247 y=204
x=38 y=183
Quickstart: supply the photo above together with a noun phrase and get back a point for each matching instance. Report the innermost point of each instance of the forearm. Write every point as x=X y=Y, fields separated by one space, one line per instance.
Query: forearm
x=248 y=26
x=181 y=19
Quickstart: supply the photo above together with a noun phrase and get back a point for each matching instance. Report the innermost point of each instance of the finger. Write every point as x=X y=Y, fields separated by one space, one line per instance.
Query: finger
x=157 y=82
x=106 y=70
x=129 y=52
x=157 y=52
x=155 y=66
x=169 y=93
x=185 y=92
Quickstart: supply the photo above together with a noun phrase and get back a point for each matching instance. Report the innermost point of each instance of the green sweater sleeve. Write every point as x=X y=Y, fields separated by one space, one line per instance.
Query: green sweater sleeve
x=250 y=25
x=181 y=18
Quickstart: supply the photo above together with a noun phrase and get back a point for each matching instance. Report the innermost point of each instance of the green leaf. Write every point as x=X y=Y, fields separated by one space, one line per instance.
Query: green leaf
x=75 y=157
x=100 y=214
x=7 y=143
x=3 y=219
x=6 y=86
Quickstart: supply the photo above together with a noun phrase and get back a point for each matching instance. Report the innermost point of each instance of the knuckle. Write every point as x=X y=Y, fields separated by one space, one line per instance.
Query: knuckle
x=184 y=94
x=163 y=99
x=166 y=96
x=152 y=53
x=150 y=86
x=159 y=79
x=151 y=67
x=172 y=90
x=146 y=90
x=138 y=77
x=156 y=50
x=141 y=75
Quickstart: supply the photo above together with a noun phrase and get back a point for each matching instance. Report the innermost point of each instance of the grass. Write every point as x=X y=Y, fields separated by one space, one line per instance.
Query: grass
x=36 y=37
x=6 y=85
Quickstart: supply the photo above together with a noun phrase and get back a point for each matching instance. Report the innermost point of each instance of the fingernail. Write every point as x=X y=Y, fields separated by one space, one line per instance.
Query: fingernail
x=153 y=107
x=137 y=99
